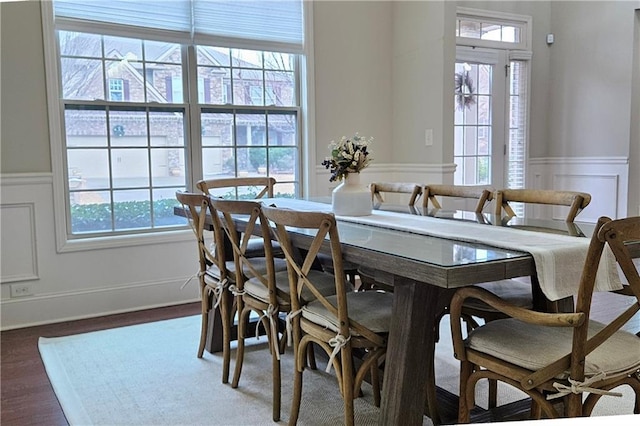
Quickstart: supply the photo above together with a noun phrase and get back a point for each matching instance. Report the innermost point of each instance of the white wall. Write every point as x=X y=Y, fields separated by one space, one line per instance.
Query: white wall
x=590 y=78
x=423 y=64
x=24 y=123
x=352 y=47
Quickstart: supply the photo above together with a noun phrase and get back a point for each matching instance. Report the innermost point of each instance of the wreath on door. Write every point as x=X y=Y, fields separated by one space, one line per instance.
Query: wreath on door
x=465 y=96
x=118 y=130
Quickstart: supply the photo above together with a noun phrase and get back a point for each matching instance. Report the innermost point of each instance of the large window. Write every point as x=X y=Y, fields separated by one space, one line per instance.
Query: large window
x=146 y=111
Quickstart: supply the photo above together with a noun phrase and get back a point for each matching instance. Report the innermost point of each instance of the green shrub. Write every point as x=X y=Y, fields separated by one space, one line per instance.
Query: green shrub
x=135 y=214
x=128 y=215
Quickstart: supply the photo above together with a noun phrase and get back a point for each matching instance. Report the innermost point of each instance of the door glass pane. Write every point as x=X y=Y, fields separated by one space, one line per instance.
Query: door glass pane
x=473 y=116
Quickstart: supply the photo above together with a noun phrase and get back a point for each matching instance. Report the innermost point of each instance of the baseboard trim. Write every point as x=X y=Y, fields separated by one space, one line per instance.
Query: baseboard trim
x=70 y=306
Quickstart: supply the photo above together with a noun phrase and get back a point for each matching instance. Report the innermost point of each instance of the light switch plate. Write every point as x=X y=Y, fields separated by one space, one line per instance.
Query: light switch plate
x=428 y=137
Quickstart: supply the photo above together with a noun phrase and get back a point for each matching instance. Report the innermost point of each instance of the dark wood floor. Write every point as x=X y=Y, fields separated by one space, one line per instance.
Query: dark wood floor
x=27 y=395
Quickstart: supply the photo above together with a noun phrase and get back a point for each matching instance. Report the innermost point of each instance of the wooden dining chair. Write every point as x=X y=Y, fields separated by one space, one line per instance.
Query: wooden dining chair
x=575 y=201
x=481 y=193
x=261 y=285
x=519 y=291
x=215 y=274
x=556 y=356
x=338 y=324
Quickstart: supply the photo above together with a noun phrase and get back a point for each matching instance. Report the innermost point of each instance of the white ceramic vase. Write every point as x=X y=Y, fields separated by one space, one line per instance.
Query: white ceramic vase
x=351 y=198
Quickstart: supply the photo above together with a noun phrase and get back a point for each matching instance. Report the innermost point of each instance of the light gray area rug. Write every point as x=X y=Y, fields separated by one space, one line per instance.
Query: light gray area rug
x=149 y=375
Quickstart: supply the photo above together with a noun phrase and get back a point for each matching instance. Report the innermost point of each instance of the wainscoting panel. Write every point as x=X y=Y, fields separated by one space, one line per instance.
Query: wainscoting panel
x=606 y=179
x=19 y=255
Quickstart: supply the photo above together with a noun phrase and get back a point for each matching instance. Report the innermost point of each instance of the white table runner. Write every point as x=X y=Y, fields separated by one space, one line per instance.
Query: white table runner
x=559 y=258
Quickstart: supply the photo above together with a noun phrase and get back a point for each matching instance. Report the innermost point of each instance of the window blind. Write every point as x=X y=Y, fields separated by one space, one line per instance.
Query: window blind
x=262 y=25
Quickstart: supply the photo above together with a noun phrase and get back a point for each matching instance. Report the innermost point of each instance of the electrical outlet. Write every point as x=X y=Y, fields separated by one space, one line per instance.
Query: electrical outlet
x=21 y=290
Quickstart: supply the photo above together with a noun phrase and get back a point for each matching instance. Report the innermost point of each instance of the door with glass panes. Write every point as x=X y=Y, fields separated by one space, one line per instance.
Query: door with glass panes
x=480 y=117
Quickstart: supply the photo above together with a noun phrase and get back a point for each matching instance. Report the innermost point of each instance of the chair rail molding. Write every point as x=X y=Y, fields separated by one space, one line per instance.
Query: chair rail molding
x=605 y=178
x=390 y=172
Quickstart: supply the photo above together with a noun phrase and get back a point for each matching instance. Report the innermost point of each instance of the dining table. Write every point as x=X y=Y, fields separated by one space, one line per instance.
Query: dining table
x=425 y=258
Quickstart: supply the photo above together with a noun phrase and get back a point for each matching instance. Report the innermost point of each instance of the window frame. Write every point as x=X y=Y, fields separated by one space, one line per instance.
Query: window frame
x=515 y=52
x=152 y=236
x=494 y=17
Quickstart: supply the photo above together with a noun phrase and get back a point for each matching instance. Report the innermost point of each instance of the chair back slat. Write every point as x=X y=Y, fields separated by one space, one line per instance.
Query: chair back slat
x=378 y=188
x=265 y=185
x=482 y=193
x=576 y=201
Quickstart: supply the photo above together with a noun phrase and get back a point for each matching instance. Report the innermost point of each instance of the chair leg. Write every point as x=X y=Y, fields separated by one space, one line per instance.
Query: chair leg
x=204 y=300
x=573 y=405
x=536 y=411
x=275 y=368
x=466 y=368
x=348 y=384
x=299 y=356
x=226 y=307
x=243 y=319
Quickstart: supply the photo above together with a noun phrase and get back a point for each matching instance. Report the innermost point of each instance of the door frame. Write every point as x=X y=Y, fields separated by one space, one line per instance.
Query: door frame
x=499 y=59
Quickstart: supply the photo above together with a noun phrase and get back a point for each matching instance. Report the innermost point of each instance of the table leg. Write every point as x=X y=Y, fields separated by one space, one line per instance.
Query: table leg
x=214 y=332
x=411 y=342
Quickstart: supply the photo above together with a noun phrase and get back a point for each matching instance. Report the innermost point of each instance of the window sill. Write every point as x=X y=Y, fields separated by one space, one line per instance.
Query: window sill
x=119 y=241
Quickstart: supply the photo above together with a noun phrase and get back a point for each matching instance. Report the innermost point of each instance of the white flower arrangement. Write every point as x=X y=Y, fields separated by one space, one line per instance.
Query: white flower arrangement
x=348 y=156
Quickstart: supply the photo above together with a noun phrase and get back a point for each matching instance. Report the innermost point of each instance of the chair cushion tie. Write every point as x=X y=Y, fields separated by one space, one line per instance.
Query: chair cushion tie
x=271 y=314
x=578 y=387
x=197 y=274
x=288 y=320
x=217 y=292
x=337 y=343
x=235 y=291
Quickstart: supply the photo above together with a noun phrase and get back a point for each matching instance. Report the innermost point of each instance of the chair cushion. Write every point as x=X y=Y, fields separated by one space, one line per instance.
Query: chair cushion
x=214 y=272
x=534 y=346
x=372 y=309
x=324 y=283
x=261 y=266
x=255 y=248
x=327 y=261
x=516 y=291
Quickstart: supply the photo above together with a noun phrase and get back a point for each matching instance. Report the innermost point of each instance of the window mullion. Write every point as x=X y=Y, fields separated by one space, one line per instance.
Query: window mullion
x=194 y=117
